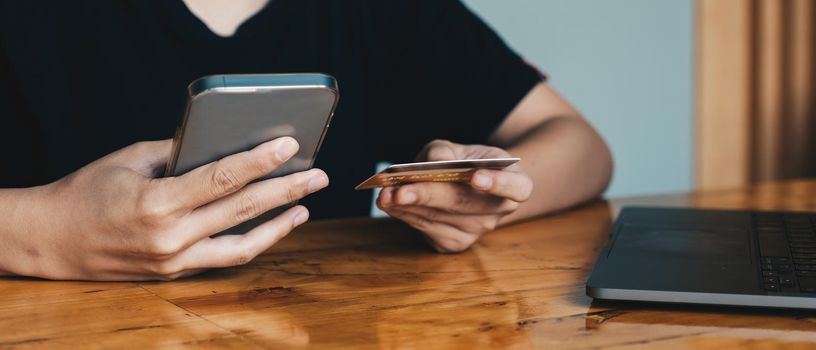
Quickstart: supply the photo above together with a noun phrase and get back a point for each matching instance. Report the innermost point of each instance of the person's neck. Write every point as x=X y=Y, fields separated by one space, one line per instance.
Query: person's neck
x=224 y=17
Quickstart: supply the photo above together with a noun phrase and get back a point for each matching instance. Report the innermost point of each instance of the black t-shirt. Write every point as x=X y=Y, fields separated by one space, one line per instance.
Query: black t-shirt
x=80 y=79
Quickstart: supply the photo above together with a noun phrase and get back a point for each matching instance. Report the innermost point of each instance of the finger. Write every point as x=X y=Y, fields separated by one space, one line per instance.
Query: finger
x=466 y=223
x=386 y=197
x=439 y=150
x=445 y=238
x=250 y=202
x=228 y=175
x=515 y=186
x=232 y=250
x=451 y=197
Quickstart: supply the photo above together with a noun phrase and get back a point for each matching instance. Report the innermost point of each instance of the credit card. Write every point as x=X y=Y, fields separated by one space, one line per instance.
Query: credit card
x=437 y=171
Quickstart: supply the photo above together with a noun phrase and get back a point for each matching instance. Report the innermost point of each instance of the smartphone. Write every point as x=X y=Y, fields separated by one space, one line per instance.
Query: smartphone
x=227 y=114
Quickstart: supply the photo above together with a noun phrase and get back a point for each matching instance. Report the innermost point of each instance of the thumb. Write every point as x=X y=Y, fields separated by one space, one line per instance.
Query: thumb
x=148 y=158
x=439 y=150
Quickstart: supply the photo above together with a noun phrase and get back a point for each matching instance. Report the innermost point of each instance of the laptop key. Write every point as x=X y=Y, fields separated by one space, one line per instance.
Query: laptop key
x=805 y=261
x=770 y=280
x=772 y=245
x=799 y=245
x=804 y=256
x=775 y=260
x=776 y=267
x=803 y=250
x=786 y=281
x=805 y=273
x=802 y=231
x=805 y=267
x=781 y=267
x=769 y=273
x=771 y=287
x=800 y=234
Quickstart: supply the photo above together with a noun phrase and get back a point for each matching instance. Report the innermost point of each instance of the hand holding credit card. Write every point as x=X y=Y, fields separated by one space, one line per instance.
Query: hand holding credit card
x=436 y=171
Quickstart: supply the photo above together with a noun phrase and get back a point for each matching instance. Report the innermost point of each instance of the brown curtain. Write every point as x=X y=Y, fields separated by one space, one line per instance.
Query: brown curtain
x=756 y=70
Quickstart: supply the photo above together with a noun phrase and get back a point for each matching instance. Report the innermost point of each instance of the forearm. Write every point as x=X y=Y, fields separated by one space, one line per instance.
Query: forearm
x=19 y=217
x=568 y=162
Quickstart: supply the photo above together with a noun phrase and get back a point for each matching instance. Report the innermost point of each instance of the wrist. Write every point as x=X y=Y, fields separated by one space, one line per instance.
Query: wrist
x=25 y=210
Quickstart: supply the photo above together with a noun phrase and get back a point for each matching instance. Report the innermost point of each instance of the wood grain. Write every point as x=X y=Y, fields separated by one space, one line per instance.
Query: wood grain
x=372 y=283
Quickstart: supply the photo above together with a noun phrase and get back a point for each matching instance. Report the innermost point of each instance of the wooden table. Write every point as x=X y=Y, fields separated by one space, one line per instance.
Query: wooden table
x=369 y=283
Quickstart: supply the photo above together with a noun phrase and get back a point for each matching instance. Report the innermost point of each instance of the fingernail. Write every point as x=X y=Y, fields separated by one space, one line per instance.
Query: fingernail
x=286 y=150
x=318 y=182
x=408 y=197
x=482 y=181
x=301 y=217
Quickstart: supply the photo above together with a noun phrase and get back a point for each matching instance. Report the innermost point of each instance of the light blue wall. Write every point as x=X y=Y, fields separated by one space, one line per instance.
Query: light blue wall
x=627 y=65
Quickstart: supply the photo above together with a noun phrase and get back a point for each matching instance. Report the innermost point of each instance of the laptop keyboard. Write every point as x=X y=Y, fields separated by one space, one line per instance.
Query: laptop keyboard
x=787 y=248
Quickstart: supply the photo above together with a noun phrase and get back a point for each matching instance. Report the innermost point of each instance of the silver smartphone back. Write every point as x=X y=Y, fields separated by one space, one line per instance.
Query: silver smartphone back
x=227 y=114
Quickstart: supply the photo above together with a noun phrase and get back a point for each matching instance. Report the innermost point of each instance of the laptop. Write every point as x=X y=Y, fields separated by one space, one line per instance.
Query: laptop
x=701 y=256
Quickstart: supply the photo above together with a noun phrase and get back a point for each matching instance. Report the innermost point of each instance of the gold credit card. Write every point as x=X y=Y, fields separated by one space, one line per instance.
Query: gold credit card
x=438 y=171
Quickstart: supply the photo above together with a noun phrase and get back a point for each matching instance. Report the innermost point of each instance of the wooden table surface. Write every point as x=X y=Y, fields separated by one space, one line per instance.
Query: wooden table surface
x=372 y=283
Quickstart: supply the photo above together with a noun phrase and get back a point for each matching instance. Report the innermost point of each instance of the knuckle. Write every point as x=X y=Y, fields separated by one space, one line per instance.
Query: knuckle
x=487 y=224
x=152 y=212
x=248 y=208
x=291 y=194
x=440 y=142
x=224 y=180
x=508 y=207
x=164 y=270
x=161 y=247
x=141 y=147
x=161 y=269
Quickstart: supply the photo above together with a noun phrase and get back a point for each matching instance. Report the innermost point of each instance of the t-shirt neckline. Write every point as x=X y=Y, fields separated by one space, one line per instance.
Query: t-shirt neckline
x=179 y=17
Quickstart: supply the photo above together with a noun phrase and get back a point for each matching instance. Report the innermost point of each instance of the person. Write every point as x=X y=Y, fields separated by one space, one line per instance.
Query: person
x=86 y=84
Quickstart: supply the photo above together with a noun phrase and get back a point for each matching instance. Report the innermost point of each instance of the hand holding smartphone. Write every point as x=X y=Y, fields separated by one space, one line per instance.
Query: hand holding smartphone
x=227 y=114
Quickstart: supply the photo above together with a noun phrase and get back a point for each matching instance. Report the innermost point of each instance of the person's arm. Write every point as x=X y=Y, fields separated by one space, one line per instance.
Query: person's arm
x=563 y=155
x=564 y=162
x=18 y=214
